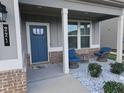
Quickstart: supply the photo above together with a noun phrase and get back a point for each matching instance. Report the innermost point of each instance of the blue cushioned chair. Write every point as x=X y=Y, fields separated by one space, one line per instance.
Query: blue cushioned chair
x=73 y=59
x=103 y=53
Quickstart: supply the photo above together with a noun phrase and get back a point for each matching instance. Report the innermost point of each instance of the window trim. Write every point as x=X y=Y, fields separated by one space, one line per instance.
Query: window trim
x=79 y=33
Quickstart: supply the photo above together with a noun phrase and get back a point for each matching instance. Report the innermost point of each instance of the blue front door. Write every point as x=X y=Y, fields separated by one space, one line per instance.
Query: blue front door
x=39 y=47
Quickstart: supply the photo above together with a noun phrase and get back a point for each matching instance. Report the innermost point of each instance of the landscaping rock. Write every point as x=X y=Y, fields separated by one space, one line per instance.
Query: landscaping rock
x=95 y=85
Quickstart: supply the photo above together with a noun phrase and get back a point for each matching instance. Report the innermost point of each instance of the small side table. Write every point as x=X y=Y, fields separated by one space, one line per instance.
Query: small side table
x=84 y=57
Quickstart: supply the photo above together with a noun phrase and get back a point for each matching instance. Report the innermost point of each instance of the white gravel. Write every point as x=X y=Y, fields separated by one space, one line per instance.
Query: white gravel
x=95 y=85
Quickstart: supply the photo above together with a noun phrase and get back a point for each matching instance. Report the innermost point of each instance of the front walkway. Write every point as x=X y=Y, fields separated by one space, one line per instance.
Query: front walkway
x=62 y=84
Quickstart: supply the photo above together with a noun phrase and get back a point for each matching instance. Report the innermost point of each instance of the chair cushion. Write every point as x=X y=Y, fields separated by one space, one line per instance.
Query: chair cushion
x=105 y=49
x=98 y=54
x=72 y=53
x=75 y=60
x=73 y=57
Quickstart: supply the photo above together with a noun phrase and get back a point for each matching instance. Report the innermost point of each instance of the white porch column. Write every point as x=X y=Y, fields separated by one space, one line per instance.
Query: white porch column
x=65 y=40
x=120 y=38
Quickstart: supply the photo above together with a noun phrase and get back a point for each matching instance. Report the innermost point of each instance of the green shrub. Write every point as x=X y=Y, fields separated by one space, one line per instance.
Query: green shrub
x=94 y=69
x=117 y=68
x=112 y=56
x=113 y=87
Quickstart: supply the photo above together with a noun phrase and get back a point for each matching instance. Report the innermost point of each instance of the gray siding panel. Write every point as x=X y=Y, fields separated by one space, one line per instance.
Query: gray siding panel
x=56 y=33
x=109 y=33
x=95 y=33
x=8 y=52
x=55 y=28
x=60 y=34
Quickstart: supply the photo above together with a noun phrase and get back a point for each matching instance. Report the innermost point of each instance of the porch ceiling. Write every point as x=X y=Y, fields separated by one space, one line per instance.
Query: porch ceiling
x=48 y=11
x=39 y=10
x=76 y=5
x=89 y=16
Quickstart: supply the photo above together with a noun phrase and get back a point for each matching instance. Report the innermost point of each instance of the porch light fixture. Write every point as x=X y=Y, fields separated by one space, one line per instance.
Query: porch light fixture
x=86 y=13
x=3 y=13
x=39 y=7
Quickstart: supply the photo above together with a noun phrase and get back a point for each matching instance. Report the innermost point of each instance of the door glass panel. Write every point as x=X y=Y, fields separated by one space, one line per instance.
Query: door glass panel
x=85 y=28
x=72 y=28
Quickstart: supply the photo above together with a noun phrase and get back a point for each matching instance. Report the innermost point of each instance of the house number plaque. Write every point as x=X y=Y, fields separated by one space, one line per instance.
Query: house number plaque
x=6 y=35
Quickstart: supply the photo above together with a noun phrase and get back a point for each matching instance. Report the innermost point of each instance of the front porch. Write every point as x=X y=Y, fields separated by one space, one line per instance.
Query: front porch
x=44 y=72
x=37 y=34
x=63 y=29
x=66 y=29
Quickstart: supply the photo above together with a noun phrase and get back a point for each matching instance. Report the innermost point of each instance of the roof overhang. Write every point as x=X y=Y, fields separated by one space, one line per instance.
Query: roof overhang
x=115 y=3
x=76 y=6
x=27 y=9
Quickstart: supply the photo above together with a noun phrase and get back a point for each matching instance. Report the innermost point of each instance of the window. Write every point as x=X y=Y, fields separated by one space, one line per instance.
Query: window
x=72 y=34
x=79 y=34
x=85 y=34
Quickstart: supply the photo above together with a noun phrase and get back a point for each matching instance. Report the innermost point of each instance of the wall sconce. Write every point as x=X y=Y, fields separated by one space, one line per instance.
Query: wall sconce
x=3 y=13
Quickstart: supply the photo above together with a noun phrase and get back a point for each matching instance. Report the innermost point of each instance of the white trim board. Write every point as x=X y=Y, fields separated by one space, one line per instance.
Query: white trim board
x=10 y=64
x=28 y=38
x=18 y=32
x=95 y=46
x=58 y=49
x=55 y=49
x=100 y=29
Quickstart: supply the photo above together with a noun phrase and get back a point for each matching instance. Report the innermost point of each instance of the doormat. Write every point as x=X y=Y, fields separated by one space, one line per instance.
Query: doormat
x=40 y=66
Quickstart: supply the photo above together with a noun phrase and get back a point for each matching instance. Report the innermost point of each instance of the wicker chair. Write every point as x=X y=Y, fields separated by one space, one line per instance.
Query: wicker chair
x=103 y=54
x=73 y=59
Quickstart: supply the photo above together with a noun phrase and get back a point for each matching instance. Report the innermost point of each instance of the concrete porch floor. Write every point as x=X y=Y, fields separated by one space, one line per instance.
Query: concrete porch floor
x=43 y=72
x=62 y=84
x=51 y=79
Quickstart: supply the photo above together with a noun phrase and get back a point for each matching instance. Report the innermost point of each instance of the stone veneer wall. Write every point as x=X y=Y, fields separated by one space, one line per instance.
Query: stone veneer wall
x=57 y=57
x=13 y=81
x=89 y=51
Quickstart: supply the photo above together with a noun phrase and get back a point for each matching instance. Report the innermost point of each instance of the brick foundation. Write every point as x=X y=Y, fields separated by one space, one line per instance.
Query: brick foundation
x=13 y=81
x=56 y=57
x=89 y=51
